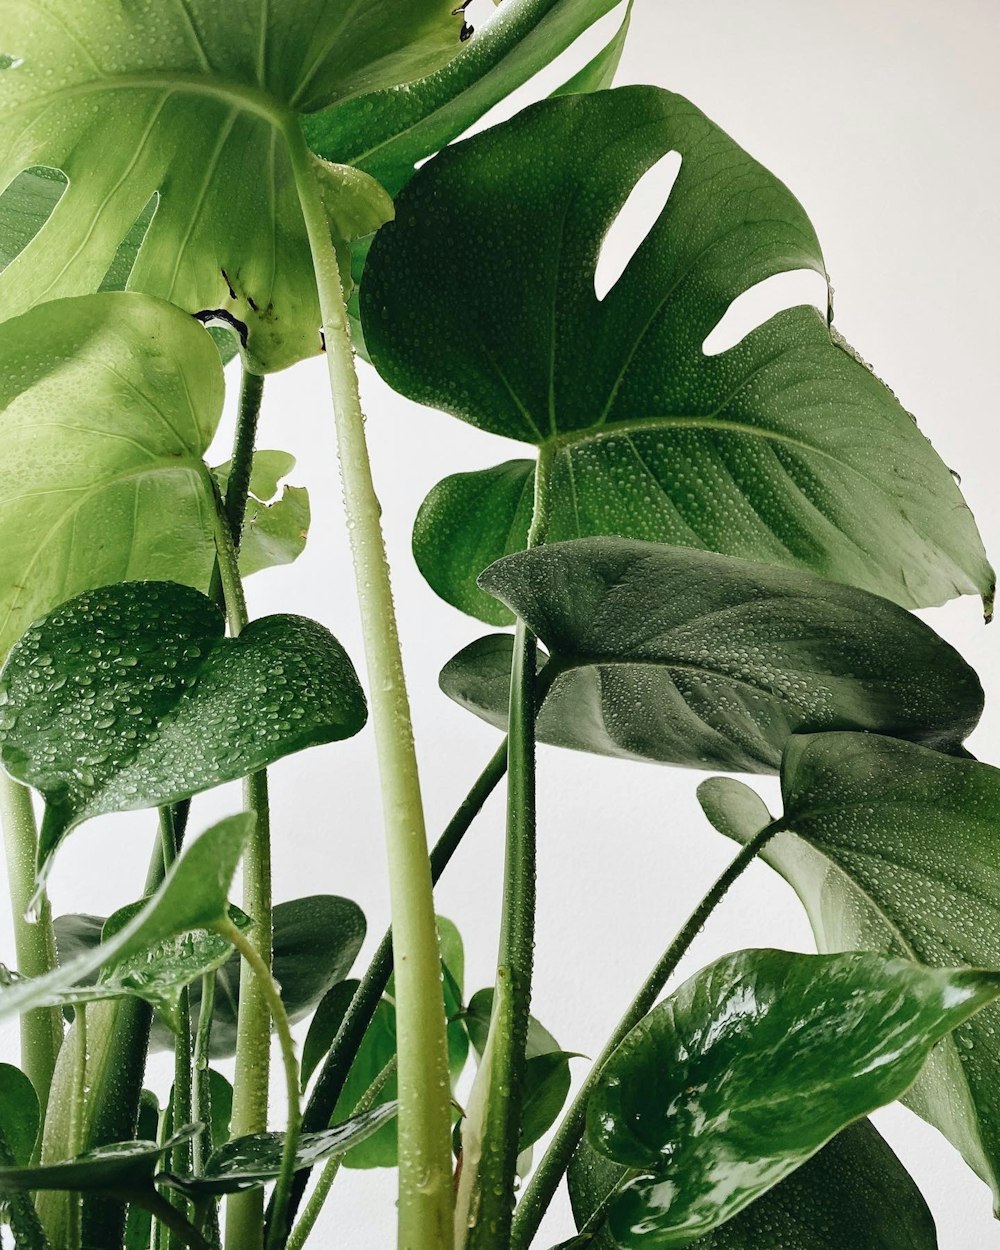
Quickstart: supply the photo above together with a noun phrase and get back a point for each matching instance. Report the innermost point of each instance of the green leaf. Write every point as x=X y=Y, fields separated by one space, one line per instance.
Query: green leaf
x=477 y=1018
x=599 y=74
x=273 y=532
x=325 y=1025
x=199 y=112
x=19 y=1116
x=750 y=1067
x=121 y=1167
x=854 y=1193
x=251 y=1161
x=132 y=697
x=687 y=657
x=784 y=449
x=895 y=848
x=193 y=896
x=107 y=405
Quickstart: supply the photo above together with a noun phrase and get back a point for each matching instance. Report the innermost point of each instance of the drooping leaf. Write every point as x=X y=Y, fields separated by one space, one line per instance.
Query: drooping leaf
x=274 y=530
x=107 y=405
x=252 y=1161
x=193 y=896
x=750 y=1067
x=854 y=1193
x=121 y=1167
x=599 y=72
x=687 y=657
x=896 y=849
x=132 y=697
x=19 y=1117
x=201 y=111
x=479 y=300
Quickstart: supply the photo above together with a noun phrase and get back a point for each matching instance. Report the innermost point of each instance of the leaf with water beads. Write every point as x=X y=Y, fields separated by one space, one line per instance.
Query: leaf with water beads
x=132 y=697
x=125 y=1167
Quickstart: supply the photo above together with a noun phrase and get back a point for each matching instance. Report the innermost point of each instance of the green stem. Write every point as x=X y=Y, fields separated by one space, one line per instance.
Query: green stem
x=272 y=996
x=425 y=1196
x=202 y=1145
x=34 y=942
x=241 y=465
x=557 y=1157
x=77 y=1124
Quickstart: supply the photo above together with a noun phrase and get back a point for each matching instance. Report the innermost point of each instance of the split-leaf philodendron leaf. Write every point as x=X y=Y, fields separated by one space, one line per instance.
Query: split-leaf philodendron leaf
x=479 y=299
x=131 y=697
x=193 y=896
x=688 y=657
x=107 y=405
x=197 y=106
x=854 y=1193
x=753 y=1065
x=895 y=848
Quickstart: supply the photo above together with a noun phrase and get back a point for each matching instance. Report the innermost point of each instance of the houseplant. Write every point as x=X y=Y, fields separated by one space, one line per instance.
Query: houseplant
x=447 y=290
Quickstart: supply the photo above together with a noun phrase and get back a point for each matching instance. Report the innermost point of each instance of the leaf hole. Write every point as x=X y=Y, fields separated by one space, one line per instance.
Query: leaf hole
x=121 y=267
x=764 y=300
x=26 y=204
x=636 y=218
x=10 y=62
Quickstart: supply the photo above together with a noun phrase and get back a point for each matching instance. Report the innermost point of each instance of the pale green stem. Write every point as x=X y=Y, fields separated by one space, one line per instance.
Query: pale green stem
x=425 y=1185
x=77 y=1125
x=34 y=940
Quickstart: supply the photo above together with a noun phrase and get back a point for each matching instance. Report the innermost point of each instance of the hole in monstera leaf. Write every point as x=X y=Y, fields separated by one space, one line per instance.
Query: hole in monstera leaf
x=27 y=203
x=636 y=218
x=763 y=301
x=118 y=272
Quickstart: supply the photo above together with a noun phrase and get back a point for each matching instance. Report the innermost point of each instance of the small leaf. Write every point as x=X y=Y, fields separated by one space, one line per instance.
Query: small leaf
x=19 y=1117
x=119 y=1168
x=750 y=1067
x=131 y=697
x=325 y=1025
x=275 y=532
x=687 y=657
x=599 y=74
x=480 y=1009
x=547 y=1081
x=192 y=896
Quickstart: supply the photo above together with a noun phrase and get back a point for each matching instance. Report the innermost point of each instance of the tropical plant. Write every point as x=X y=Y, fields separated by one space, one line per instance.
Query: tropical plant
x=710 y=559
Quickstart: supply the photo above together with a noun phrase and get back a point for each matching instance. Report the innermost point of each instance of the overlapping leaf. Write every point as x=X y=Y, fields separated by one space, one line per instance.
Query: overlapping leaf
x=687 y=657
x=274 y=529
x=479 y=299
x=122 y=1167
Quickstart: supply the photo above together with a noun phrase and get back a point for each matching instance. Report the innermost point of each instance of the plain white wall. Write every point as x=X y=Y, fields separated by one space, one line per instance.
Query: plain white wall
x=882 y=119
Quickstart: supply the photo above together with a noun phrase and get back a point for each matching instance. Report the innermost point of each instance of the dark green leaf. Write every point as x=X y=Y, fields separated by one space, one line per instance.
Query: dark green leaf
x=19 y=1118
x=547 y=1081
x=599 y=74
x=120 y=1167
x=324 y=1026
x=854 y=1193
x=274 y=530
x=131 y=697
x=750 y=1067
x=895 y=848
x=479 y=299
x=687 y=657
x=222 y=1107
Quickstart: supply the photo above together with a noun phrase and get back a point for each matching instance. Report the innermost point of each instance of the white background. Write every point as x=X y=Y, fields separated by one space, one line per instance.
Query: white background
x=882 y=119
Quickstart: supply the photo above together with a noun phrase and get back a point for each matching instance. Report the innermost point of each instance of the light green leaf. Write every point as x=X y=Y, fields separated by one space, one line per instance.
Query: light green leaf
x=200 y=113
x=896 y=849
x=107 y=405
x=273 y=532
x=750 y=1067
x=19 y=1117
x=131 y=697
x=193 y=896
x=687 y=657
x=599 y=74
x=479 y=300
x=853 y=1195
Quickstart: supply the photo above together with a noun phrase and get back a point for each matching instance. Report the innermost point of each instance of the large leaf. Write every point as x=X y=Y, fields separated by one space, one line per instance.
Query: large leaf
x=193 y=896
x=750 y=1067
x=131 y=696
x=897 y=849
x=107 y=405
x=479 y=299
x=274 y=529
x=854 y=1193
x=687 y=657
x=199 y=109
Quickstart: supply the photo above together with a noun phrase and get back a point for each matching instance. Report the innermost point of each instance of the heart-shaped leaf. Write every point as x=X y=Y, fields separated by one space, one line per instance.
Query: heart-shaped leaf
x=125 y=1167
x=479 y=299
x=687 y=657
x=274 y=530
x=896 y=848
x=193 y=896
x=751 y=1066
x=854 y=1193
x=131 y=697
x=107 y=405
x=199 y=112
x=19 y=1117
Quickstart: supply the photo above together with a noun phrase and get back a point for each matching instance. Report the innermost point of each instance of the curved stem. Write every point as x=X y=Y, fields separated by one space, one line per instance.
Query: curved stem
x=34 y=940
x=424 y=1089
x=557 y=1157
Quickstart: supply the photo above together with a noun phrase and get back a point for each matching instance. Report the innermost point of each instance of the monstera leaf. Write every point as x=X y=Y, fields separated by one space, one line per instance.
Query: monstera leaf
x=479 y=299
x=687 y=657
x=198 y=108
x=895 y=848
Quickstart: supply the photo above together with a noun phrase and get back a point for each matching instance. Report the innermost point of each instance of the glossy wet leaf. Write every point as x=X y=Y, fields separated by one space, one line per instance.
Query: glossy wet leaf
x=853 y=1195
x=19 y=1117
x=194 y=895
x=199 y=109
x=751 y=1066
x=896 y=848
x=132 y=697
x=274 y=529
x=687 y=657
x=784 y=449
x=121 y=1167
x=107 y=405
x=252 y=1161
